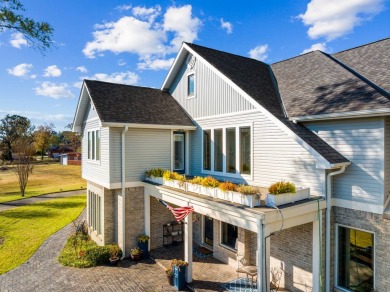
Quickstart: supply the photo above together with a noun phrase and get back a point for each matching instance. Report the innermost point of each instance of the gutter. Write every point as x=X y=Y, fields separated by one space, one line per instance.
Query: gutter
x=327 y=226
x=123 y=164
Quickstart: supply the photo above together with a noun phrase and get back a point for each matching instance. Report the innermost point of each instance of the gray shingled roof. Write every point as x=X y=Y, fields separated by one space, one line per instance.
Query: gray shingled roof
x=315 y=83
x=118 y=103
x=371 y=61
x=255 y=78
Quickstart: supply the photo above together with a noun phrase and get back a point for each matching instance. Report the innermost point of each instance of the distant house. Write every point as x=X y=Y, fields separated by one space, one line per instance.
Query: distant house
x=319 y=120
x=55 y=151
x=71 y=158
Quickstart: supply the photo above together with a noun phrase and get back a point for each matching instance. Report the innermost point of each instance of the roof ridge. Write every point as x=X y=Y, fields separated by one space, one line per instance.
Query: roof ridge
x=121 y=84
x=298 y=56
x=367 y=44
x=358 y=75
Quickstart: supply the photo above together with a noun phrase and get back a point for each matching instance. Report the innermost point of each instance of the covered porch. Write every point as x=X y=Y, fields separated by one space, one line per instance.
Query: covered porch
x=256 y=227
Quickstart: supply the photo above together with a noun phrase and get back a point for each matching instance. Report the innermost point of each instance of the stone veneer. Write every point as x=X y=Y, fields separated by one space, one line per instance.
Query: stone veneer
x=370 y=222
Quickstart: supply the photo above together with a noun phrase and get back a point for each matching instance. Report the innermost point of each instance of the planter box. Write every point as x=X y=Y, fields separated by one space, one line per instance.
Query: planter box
x=193 y=188
x=219 y=194
x=175 y=184
x=207 y=191
x=156 y=180
x=282 y=199
x=236 y=197
x=179 y=277
x=251 y=200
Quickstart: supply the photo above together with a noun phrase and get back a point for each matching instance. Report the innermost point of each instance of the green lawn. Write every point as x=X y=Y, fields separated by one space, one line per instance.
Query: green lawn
x=45 y=179
x=24 y=229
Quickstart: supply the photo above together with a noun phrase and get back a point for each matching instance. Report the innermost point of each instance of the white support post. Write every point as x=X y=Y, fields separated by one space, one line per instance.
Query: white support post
x=316 y=260
x=267 y=263
x=259 y=254
x=147 y=216
x=188 y=246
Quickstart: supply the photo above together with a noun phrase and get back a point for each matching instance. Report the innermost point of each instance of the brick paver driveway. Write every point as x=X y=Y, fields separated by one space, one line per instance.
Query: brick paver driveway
x=42 y=272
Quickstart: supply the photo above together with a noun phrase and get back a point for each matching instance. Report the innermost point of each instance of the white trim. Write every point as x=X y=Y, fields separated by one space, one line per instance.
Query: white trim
x=173 y=66
x=148 y=126
x=187 y=152
x=188 y=75
x=345 y=115
x=366 y=207
x=336 y=265
x=246 y=112
x=94 y=160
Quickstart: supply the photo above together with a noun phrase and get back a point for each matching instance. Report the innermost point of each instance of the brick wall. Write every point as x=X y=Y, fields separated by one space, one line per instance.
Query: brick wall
x=159 y=215
x=372 y=223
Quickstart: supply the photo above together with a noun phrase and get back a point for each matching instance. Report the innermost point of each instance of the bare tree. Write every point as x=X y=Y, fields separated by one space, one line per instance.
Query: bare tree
x=24 y=161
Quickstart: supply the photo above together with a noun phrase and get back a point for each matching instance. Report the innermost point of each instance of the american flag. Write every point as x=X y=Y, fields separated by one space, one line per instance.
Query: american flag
x=180 y=213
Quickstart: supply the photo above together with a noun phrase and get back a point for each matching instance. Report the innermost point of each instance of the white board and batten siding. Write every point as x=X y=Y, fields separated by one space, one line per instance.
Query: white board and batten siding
x=213 y=96
x=362 y=142
x=96 y=171
x=145 y=149
x=387 y=159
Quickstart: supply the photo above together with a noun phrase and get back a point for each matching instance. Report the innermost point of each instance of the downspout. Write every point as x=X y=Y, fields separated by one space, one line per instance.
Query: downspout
x=327 y=227
x=124 y=191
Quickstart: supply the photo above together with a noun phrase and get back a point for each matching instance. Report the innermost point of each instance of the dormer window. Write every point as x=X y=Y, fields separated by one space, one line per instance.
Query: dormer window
x=191 y=85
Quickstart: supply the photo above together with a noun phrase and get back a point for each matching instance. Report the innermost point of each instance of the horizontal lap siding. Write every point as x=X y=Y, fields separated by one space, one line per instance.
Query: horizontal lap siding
x=276 y=156
x=96 y=170
x=360 y=141
x=213 y=96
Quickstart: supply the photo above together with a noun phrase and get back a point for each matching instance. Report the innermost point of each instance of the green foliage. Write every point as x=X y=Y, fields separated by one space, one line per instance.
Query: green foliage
x=37 y=34
x=197 y=180
x=156 y=172
x=42 y=137
x=178 y=263
x=246 y=190
x=282 y=187
x=228 y=186
x=115 y=250
x=136 y=251
x=142 y=238
x=210 y=182
x=98 y=255
x=171 y=175
x=169 y=272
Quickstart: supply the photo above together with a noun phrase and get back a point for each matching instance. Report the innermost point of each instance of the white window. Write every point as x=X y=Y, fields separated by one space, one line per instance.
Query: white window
x=94 y=145
x=94 y=212
x=191 y=85
x=228 y=150
x=355 y=259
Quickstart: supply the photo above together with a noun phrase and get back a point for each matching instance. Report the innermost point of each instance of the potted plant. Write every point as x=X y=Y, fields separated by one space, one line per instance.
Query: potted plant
x=143 y=244
x=225 y=189
x=114 y=250
x=179 y=273
x=284 y=192
x=208 y=186
x=174 y=180
x=136 y=254
x=169 y=273
x=248 y=195
x=193 y=185
x=155 y=175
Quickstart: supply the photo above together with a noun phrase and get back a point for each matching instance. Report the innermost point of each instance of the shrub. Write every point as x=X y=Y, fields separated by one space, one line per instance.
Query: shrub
x=98 y=255
x=227 y=186
x=197 y=180
x=115 y=250
x=246 y=190
x=156 y=172
x=282 y=187
x=210 y=182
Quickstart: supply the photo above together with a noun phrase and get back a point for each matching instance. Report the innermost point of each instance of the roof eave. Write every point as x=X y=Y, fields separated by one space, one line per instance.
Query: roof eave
x=148 y=126
x=176 y=64
x=344 y=115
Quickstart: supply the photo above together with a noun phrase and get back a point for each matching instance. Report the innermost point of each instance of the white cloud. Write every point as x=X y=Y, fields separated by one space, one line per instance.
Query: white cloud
x=54 y=90
x=128 y=77
x=316 y=47
x=259 y=53
x=155 y=64
x=334 y=18
x=39 y=117
x=121 y=62
x=147 y=33
x=52 y=71
x=82 y=69
x=123 y=7
x=20 y=70
x=227 y=26
x=18 y=40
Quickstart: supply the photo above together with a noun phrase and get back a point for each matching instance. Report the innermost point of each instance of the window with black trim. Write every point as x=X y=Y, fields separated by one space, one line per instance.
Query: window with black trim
x=94 y=145
x=207 y=150
x=229 y=234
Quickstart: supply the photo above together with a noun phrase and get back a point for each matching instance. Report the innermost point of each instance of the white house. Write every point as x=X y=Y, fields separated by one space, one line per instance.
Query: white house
x=317 y=120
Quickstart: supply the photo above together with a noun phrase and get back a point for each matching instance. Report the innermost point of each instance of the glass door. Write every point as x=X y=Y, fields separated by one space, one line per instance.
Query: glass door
x=179 y=152
x=208 y=230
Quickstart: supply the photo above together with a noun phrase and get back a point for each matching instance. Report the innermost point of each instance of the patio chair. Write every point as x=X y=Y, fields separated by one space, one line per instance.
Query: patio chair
x=244 y=267
x=276 y=276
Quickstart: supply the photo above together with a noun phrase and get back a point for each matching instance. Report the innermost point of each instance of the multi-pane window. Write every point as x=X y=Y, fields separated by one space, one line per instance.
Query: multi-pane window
x=229 y=235
x=94 y=145
x=94 y=212
x=191 y=85
x=355 y=259
x=231 y=150
x=207 y=150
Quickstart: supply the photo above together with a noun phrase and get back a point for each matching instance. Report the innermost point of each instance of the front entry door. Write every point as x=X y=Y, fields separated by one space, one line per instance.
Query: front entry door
x=208 y=230
x=179 y=152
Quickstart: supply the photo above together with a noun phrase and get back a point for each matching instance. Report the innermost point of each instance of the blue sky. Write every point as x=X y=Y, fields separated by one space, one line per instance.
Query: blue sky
x=135 y=42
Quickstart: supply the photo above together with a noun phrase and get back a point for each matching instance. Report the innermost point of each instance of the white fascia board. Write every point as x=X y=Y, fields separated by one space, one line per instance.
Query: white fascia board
x=345 y=115
x=76 y=128
x=169 y=79
x=360 y=206
x=147 y=126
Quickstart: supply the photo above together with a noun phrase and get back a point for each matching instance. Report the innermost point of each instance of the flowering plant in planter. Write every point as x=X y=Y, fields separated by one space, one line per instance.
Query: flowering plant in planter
x=282 y=187
x=248 y=195
x=136 y=254
x=174 y=179
x=193 y=185
x=208 y=186
x=142 y=238
x=225 y=190
x=283 y=192
x=155 y=175
x=178 y=263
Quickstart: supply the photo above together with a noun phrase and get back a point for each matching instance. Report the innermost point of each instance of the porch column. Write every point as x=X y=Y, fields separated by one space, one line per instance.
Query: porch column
x=147 y=216
x=316 y=259
x=188 y=245
x=267 y=263
x=260 y=256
